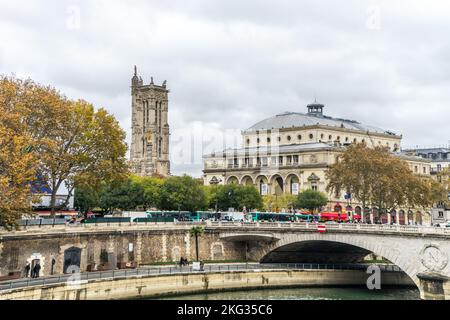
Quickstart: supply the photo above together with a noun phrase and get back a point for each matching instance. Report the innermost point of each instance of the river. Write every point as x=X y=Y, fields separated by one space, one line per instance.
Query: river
x=347 y=293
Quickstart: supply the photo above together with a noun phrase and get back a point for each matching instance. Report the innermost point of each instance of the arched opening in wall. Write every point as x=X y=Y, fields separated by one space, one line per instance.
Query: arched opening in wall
x=263 y=185
x=293 y=184
x=324 y=252
x=410 y=217
x=278 y=185
x=393 y=214
x=247 y=181
x=366 y=215
x=338 y=208
x=232 y=180
x=72 y=260
x=358 y=210
x=375 y=215
x=176 y=254
x=402 y=218
x=217 y=252
x=419 y=218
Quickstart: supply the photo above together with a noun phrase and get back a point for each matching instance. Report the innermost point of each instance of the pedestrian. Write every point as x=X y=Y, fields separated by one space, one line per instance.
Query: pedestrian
x=27 y=270
x=36 y=270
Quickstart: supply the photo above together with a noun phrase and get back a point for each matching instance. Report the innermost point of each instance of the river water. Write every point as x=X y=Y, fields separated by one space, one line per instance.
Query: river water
x=347 y=293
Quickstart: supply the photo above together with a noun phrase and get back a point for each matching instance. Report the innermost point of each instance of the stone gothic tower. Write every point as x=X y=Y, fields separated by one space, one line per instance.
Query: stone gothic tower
x=150 y=128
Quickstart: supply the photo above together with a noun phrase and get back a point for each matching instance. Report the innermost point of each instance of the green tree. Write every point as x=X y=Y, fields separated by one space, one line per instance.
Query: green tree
x=196 y=232
x=183 y=193
x=126 y=195
x=311 y=200
x=85 y=199
x=151 y=190
x=234 y=196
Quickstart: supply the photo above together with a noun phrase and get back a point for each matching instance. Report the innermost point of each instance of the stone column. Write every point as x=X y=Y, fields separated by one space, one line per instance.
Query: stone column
x=371 y=218
x=138 y=249
x=397 y=217
x=164 y=248
x=406 y=218
x=187 y=241
x=389 y=218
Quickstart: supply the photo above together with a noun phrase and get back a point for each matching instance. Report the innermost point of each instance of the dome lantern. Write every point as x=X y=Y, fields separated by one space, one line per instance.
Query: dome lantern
x=315 y=108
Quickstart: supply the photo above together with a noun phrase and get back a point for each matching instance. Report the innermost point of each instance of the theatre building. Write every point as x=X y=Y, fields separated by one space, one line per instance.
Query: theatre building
x=291 y=152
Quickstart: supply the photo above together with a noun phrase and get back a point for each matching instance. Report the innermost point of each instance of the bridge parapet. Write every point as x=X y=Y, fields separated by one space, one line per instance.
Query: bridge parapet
x=221 y=225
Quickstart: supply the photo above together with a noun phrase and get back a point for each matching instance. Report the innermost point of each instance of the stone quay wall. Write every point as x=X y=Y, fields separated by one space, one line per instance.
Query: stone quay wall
x=108 y=245
x=156 y=286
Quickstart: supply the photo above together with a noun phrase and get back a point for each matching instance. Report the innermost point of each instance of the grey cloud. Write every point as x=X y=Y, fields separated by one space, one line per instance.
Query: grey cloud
x=230 y=64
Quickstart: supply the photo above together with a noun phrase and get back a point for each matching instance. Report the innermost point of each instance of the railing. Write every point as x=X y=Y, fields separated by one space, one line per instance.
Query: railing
x=151 y=271
x=247 y=225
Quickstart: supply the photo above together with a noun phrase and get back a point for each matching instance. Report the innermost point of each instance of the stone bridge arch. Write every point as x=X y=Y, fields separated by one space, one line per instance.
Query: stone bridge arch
x=404 y=254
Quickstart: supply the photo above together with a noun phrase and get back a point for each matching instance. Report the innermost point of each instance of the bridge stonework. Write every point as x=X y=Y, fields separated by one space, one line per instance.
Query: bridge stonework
x=422 y=253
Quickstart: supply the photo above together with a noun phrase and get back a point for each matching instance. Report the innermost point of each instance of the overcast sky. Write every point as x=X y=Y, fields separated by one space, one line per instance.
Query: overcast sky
x=230 y=64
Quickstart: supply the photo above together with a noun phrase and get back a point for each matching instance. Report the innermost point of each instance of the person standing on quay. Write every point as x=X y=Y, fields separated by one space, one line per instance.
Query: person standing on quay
x=27 y=270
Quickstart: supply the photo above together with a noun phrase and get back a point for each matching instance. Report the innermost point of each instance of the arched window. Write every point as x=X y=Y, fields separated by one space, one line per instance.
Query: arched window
x=268 y=140
x=299 y=137
x=289 y=138
x=311 y=136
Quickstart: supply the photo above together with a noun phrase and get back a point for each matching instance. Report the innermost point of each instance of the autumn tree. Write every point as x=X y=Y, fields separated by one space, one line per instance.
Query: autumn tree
x=276 y=203
x=75 y=144
x=17 y=161
x=353 y=173
x=377 y=177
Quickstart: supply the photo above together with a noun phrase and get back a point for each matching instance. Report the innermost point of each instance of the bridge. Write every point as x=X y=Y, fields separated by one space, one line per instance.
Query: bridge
x=421 y=252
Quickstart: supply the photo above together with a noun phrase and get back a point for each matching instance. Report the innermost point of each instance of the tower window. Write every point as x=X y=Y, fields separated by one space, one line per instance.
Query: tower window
x=289 y=138
x=330 y=137
x=311 y=136
x=268 y=140
x=299 y=137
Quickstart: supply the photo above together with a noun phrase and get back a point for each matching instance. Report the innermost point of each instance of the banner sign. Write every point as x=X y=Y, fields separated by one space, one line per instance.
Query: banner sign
x=295 y=188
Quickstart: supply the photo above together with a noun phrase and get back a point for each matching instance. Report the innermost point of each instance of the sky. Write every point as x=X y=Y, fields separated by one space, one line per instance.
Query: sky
x=229 y=64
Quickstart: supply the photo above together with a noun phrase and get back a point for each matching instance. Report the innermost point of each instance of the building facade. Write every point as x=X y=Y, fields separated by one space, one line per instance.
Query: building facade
x=291 y=152
x=149 y=152
x=440 y=166
x=439 y=157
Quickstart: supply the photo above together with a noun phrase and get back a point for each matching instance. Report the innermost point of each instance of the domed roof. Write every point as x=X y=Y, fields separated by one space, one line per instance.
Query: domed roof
x=295 y=120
